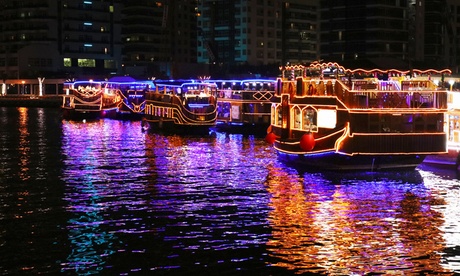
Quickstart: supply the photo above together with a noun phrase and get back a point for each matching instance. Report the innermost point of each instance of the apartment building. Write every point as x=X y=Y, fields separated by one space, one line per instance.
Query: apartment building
x=189 y=38
x=59 y=38
x=159 y=39
x=241 y=35
x=396 y=33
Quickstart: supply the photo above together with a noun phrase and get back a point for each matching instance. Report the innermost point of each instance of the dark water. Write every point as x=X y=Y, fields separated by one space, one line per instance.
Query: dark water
x=104 y=197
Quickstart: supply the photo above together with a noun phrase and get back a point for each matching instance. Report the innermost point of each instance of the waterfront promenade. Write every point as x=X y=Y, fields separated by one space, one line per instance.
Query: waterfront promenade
x=31 y=101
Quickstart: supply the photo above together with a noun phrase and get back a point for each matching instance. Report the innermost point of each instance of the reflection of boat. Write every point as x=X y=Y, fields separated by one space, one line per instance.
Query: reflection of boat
x=90 y=100
x=323 y=227
x=385 y=121
x=244 y=105
x=452 y=158
x=188 y=107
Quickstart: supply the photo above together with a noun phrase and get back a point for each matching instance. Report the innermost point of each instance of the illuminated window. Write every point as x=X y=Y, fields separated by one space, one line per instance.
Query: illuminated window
x=297 y=118
x=279 y=116
x=309 y=119
x=67 y=62
x=84 y=62
x=327 y=118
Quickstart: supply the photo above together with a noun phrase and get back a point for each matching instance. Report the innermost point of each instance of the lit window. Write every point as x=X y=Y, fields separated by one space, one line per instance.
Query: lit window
x=84 y=62
x=67 y=62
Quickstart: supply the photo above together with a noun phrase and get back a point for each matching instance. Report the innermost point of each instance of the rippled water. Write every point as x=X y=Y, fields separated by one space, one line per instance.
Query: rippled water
x=104 y=197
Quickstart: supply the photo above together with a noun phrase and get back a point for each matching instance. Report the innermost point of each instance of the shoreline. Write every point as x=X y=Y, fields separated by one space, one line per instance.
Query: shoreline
x=31 y=101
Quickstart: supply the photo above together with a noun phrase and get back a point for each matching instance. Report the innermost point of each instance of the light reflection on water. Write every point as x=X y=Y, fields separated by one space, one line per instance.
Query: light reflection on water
x=104 y=196
x=355 y=227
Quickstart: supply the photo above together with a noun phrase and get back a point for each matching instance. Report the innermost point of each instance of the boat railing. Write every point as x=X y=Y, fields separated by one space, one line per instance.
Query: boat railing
x=257 y=95
x=411 y=94
x=369 y=94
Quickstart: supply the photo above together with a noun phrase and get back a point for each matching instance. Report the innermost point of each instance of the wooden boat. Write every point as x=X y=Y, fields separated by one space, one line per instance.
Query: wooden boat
x=451 y=160
x=244 y=105
x=382 y=120
x=188 y=107
x=90 y=100
x=133 y=99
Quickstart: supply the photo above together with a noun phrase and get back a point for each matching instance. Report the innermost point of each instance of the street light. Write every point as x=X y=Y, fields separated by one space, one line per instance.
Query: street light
x=451 y=82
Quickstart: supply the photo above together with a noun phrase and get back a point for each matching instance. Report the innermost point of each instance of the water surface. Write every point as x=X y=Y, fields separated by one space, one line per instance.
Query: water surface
x=105 y=197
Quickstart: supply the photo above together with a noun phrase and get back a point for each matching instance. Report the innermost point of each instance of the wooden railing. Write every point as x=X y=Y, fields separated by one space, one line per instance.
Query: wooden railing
x=363 y=94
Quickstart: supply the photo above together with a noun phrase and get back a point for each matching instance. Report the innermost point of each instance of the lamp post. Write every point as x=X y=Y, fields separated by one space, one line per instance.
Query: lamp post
x=451 y=82
x=40 y=86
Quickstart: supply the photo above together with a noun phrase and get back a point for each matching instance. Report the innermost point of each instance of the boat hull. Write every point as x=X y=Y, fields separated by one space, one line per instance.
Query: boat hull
x=129 y=116
x=450 y=160
x=168 y=126
x=259 y=129
x=333 y=161
x=77 y=114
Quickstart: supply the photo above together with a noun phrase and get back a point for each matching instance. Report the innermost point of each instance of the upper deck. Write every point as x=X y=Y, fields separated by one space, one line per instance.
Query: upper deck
x=372 y=93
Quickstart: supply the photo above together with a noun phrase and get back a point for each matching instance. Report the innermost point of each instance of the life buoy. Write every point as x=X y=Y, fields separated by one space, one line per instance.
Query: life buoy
x=270 y=138
x=269 y=129
x=307 y=141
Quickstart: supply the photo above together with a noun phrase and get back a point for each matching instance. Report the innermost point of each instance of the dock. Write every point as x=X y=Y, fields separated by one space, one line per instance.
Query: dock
x=31 y=101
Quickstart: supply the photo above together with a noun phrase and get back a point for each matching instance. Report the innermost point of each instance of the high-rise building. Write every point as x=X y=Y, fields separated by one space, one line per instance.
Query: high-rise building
x=399 y=33
x=189 y=38
x=364 y=30
x=453 y=31
x=241 y=36
x=159 y=38
x=60 y=38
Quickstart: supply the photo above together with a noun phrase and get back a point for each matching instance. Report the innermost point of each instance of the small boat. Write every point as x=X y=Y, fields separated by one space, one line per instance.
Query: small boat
x=181 y=107
x=91 y=99
x=357 y=119
x=244 y=106
x=133 y=99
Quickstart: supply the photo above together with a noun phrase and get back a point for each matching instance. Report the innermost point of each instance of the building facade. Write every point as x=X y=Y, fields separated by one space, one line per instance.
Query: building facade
x=241 y=36
x=222 y=38
x=60 y=38
x=159 y=39
x=397 y=33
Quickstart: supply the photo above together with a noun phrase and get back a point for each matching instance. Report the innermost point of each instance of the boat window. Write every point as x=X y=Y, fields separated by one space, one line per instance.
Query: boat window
x=297 y=118
x=309 y=119
x=279 y=116
x=327 y=118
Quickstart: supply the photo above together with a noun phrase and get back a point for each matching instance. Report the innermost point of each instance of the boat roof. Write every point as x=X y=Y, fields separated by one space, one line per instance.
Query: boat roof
x=366 y=69
x=122 y=79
